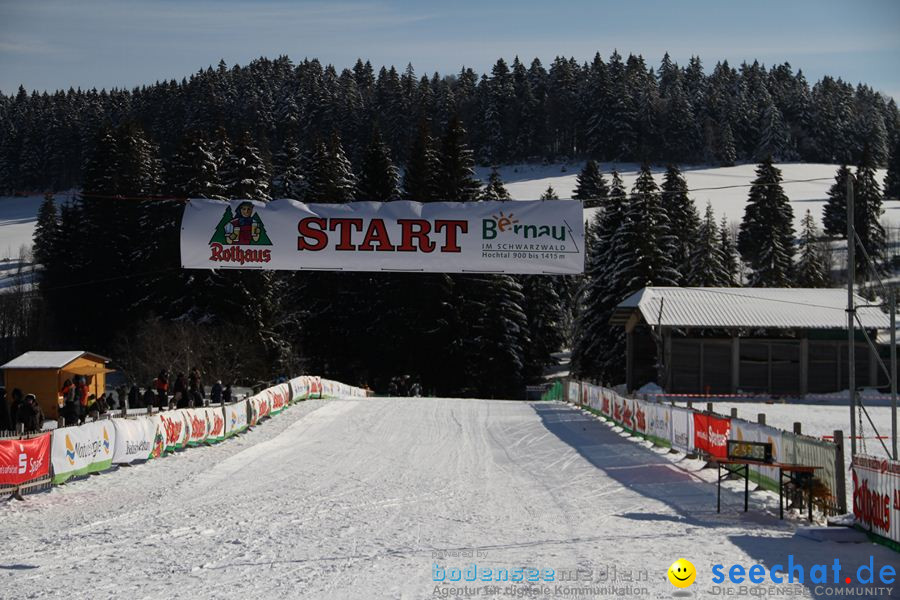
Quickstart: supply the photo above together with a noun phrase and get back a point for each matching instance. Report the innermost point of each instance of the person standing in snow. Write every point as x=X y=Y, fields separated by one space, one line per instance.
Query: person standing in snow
x=215 y=394
x=162 y=389
x=181 y=398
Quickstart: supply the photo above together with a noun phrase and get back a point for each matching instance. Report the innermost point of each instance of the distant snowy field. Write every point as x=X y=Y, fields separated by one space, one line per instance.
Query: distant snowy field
x=363 y=498
x=529 y=181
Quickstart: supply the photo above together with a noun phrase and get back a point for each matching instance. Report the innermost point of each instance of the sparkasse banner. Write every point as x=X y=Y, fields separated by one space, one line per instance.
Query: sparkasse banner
x=536 y=237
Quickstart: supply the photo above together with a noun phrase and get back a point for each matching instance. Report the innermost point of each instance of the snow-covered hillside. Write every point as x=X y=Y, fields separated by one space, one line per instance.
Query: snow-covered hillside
x=528 y=182
x=376 y=498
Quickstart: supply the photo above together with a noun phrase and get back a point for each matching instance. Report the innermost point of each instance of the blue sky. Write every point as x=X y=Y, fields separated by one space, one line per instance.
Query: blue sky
x=50 y=44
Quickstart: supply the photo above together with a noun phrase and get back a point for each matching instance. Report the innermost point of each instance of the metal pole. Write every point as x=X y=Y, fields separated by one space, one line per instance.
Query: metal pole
x=893 y=307
x=851 y=310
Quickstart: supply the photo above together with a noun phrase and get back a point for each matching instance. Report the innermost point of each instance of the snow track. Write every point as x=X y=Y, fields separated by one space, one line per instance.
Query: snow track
x=357 y=499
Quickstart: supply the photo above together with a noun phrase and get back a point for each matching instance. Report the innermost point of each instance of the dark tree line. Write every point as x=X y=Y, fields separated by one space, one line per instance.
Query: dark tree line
x=614 y=109
x=111 y=271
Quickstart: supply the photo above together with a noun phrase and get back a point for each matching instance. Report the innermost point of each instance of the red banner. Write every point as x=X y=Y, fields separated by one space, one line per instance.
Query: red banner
x=711 y=434
x=24 y=460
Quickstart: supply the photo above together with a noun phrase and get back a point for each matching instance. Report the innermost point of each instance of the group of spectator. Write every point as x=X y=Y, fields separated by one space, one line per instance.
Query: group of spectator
x=78 y=403
x=23 y=409
x=187 y=391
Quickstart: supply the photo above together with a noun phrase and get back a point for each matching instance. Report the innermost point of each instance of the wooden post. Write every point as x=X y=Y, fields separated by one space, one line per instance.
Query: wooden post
x=798 y=428
x=761 y=418
x=804 y=366
x=709 y=407
x=690 y=404
x=735 y=363
x=840 y=480
x=734 y=413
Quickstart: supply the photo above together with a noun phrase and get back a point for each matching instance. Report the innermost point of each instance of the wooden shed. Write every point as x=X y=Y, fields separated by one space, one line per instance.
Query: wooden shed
x=43 y=373
x=770 y=341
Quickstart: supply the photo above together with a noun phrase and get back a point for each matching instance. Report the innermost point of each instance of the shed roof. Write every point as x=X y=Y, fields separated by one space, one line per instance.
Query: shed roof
x=49 y=360
x=740 y=308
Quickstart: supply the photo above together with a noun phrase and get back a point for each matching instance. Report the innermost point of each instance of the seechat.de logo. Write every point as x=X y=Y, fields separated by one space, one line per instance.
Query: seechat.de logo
x=682 y=573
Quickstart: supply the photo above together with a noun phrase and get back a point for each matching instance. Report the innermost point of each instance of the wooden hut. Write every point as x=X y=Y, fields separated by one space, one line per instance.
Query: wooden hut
x=43 y=373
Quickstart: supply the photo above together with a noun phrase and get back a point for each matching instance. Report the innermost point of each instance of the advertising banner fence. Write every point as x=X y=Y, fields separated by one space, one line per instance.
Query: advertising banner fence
x=711 y=434
x=24 y=460
x=215 y=422
x=81 y=450
x=176 y=429
x=876 y=496
x=691 y=431
x=235 y=418
x=532 y=237
x=135 y=439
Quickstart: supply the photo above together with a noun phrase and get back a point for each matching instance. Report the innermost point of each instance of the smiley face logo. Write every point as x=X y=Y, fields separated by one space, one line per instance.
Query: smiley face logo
x=682 y=573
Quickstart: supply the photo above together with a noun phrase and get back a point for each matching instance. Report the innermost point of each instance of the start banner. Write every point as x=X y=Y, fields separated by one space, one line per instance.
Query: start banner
x=24 y=460
x=532 y=237
x=876 y=495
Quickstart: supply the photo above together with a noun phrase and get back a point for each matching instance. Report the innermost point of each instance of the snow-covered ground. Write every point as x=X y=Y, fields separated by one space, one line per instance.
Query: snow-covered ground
x=362 y=498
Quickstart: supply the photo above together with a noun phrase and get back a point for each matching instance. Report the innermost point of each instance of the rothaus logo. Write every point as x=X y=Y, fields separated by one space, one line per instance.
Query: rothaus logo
x=508 y=224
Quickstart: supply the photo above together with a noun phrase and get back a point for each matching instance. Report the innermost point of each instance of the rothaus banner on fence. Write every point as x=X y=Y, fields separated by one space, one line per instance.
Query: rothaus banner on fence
x=84 y=449
x=876 y=495
x=439 y=237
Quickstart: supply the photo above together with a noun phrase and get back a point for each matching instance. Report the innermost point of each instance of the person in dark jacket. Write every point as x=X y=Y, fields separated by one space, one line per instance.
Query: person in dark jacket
x=182 y=399
x=226 y=394
x=215 y=394
x=6 y=423
x=135 y=400
x=162 y=389
x=195 y=387
x=29 y=414
x=69 y=411
x=149 y=396
x=17 y=399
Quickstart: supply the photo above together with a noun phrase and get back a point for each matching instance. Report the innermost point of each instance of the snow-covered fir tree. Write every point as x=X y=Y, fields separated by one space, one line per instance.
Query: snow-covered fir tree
x=378 y=180
x=46 y=231
x=420 y=179
x=766 y=237
x=549 y=194
x=330 y=178
x=867 y=205
x=494 y=188
x=545 y=315
x=731 y=261
x=812 y=270
x=288 y=179
x=456 y=180
x=834 y=214
x=682 y=216
x=707 y=261
x=892 y=179
x=590 y=185
x=194 y=172
x=245 y=173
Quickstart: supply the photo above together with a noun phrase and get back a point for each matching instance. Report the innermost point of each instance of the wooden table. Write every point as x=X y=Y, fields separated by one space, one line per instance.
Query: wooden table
x=735 y=466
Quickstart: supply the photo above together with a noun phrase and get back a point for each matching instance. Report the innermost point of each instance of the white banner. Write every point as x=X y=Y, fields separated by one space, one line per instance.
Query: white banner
x=235 y=418
x=81 y=450
x=439 y=237
x=215 y=421
x=135 y=439
x=659 y=422
x=876 y=495
x=682 y=429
